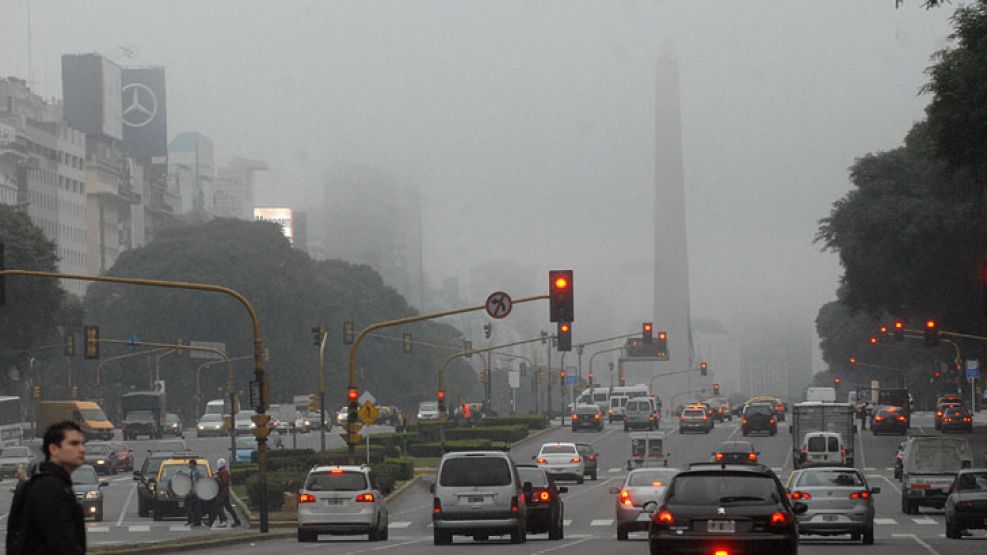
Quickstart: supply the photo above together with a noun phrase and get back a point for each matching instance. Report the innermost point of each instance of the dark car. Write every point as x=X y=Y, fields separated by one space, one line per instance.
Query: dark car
x=736 y=510
x=966 y=506
x=590 y=459
x=141 y=422
x=122 y=455
x=736 y=452
x=941 y=407
x=889 y=420
x=545 y=509
x=173 y=425
x=587 y=417
x=101 y=457
x=88 y=490
x=147 y=477
x=956 y=419
x=759 y=418
x=721 y=408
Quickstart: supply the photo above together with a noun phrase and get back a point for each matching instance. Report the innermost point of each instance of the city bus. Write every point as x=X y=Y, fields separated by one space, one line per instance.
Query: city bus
x=11 y=421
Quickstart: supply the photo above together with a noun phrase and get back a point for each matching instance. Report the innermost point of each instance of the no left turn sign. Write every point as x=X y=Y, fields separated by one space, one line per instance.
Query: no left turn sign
x=499 y=305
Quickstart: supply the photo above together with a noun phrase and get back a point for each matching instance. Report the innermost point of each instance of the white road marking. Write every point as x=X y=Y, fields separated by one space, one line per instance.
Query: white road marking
x=923 y=520
x=139 y=528
x=885 y=521
x=562 y=546
x=601 y=522
x=391 y=546
x=123 y=511
x=614 y=469
x=403 y=524
x=97 y=529
x=890 y=468
x=179 y=528
x=927 y=547
x=567 y=522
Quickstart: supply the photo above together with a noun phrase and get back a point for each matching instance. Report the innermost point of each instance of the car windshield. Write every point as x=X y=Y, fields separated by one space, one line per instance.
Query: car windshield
x=830 y=478
x=655 y=478
x=972 y=481
x=935 y=457
x=85 y=475
x=557 y=449
x=694 y=412
x=428 y=406
x=336 y=480
x=16 y=451
x=720 y=489
x=537 y=477
x=92 y=414
x=97 y=449
x=475 y=472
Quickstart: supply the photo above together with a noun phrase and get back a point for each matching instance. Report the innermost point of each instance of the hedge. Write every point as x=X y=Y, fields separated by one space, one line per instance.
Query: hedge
x=533 y=421
x=388 y=473
x=434 y=449
x=507 y=434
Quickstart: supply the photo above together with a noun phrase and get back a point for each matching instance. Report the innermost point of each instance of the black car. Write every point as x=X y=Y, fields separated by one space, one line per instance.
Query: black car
x=545 y=509
x=759 y=418
x=587 y=417
x=889 y=420
x=147 y=476
x=173 y=425
x=966 y=506
x=736 y=452
x=733 y=509
x=590 y=459
x=101 y=456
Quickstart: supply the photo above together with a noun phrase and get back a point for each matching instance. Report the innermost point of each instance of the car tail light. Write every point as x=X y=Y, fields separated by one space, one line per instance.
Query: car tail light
x=780 y=518
x=752 y=457
x=596 y=416
x=743 y=420
x=902 y=419
x=575 y=417
x=879 y=418
x=306 y=498
x=664 y=517
x=772 y=420
x=436 y=505
x=365 y=498
x=947 y=419
x=575 y=460
x=967 y=419
x=843 y=453
x=657 y=484
x=541 y=460
x=801 y=495
x=938 y=413
x=779 y=408
x=625 y=498
x=860 y=495
x=591 y=457
x=705 y=418
x=336 y=471
x=719 y=457
x=515 y=506
x=721 y=552
x=720 y=410
x=543 y=496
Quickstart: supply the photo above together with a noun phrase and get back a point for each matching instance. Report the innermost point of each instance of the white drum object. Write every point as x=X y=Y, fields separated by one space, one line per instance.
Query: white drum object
x=206 y=488
x=181 y=484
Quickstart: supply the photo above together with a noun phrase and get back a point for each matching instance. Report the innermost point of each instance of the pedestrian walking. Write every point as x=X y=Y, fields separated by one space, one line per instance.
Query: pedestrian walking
x=45 y=517
x=222 y=500
x=193 y=505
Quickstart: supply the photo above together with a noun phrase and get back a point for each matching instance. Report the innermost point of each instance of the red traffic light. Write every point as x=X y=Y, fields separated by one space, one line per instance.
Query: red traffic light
x=662 y=336
x=836 y=380
x=884 y=329
x=352 y=394
x=561 y=282
x=873 y=341
x=442 y=394
x=853 y=360
x=703 y=365
x=937 y=374
x=564 y=328
x=560 y=304
x=562 y=373
x=899 y=325
x=647 y=326
x=930 y=324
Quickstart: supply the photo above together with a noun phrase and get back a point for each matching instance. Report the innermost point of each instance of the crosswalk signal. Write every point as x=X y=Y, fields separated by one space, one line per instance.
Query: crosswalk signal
x=406 y=342
x=69 y=345
x=647 y=332
x=318 y=332
x=92 y=341
x=565 y=336
x=931 y=333
x=899 y=330
x=560 y=305
x=703 y=368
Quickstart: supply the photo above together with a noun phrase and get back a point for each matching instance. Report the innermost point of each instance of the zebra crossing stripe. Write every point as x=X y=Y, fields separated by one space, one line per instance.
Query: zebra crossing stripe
x=139 y=528
x=179 y=528
x=601 y=522
x=403 y=524
x=924 y=520
x=885 y=521
x=614 y=469
x=97 y=529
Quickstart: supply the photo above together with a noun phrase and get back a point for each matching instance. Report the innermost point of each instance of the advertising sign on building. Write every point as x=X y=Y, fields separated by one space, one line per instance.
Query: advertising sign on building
x=284 y=217
x=91 y=90
x=145 y=115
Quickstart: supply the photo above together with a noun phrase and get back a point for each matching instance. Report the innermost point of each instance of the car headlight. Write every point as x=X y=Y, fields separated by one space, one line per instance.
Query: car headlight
x=201 y=427
x=92 y=495
x=174 y=425
x=101 y=461
x=307 y=423
x=252 y=425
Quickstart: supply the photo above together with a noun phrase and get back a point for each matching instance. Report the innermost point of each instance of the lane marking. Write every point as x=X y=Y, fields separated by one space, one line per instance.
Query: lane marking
x=403 y=524
x=601 y=522
x=567 y=522
x=390 y=546
x=890 y=483
x=919 y=541
x=97 y=529
x=869 y=469
x=139 y=528
x=614 y=469
x=885 y=522
x=123 y=511
x=564 y=545
x=923 y=520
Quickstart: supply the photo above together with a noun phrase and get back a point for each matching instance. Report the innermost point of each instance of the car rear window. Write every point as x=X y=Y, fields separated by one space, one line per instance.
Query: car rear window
x=650 y=477
x=832 y=478
x=695 y=412
x=555 y=449
x=475 y=472
x=723 y=489
x=833 y=443
x=336 y=481
x=537 y=477
x=817 y=444
x=584 y=449
x=972 y=481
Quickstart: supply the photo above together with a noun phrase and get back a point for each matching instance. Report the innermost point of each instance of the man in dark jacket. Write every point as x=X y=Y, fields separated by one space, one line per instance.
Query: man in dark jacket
x=44 y=515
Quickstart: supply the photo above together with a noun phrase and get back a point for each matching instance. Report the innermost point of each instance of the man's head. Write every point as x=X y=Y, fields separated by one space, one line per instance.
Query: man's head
x=64 y=444
x=192 y=463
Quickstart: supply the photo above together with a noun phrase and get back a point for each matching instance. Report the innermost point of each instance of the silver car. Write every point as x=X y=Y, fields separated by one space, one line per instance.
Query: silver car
x=562 y=461
x=343 y=500
x=640 y=486
x=839 y=501
x=478 y=494
x=641 y=414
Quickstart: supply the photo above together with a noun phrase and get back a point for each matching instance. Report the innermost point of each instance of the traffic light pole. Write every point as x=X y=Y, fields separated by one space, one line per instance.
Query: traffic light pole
x=322 y=391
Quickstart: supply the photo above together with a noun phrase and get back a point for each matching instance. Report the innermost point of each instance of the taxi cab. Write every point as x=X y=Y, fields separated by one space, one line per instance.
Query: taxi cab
x=165 y=502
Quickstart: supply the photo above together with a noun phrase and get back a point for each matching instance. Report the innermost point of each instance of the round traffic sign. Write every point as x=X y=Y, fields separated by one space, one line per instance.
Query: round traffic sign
x=499 y=304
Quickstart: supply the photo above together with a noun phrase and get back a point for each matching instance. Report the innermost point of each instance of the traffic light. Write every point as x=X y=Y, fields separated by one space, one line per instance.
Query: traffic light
x=647 y=332
x=565 y=336
x=317 y=333
x=716 y=388
x=853 y=359
x=662 y=341
x=884 y=330
x=873 y=340
x=442 y=401
x=354 y=404
x=92 y=341
x=937 y=374
x=591 y=378
x=406 y=342
x=487 y=330
x=836 y=380
x=69 y=349
x=313 y=402
x=899 y=330
x=623 y=379
x=562 y=377
x=703 y=368
x=931 y=333
x=348 y=335
x=560 y=305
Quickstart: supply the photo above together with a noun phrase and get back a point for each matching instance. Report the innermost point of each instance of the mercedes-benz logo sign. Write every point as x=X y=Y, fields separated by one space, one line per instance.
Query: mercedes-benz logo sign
x=140 y=105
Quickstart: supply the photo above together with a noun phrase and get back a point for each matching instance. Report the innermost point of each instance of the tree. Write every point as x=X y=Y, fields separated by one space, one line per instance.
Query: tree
x=290 y=292
x=28 y=317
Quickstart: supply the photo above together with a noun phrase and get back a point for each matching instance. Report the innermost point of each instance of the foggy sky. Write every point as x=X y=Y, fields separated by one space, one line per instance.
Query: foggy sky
x=527 y=125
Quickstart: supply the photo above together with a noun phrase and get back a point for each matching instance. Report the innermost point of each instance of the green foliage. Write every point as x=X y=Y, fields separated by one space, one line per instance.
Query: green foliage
x=434 y=449
x=505 y=434
x=277 y=484
x=533 y=421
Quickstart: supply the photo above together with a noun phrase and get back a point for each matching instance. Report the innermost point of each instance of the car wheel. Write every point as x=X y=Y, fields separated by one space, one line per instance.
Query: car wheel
x=156 y=510
x=906 y=506
x=868 y=538
x=441 y=538
x=580 y=480
x=952 y=531
x=518 y=536
x=594 y=476
x=855 y=536
x=621 y=533
x=307 y=536
x=99 y=513
x=557 y=532
x=142 y=508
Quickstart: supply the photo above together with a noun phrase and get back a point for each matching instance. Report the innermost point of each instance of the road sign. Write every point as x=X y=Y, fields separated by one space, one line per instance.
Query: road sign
x=133 y=339
x=973 y=368
x=368 y=413
x=499 y=304
x=514 y=379
x=570 y=375
x=367 y=397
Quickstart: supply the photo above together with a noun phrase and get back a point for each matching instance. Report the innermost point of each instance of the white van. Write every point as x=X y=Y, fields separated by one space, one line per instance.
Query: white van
x=216 y=406
x=600 y=396
x=618 y=404
x=823 y=447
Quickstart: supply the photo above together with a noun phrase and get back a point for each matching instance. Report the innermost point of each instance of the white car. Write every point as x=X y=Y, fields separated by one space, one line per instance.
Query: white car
x=561 y=461
x=823 y=447
x=341 y=500
x=429 y=410
x=242 y=424
x=343 y=415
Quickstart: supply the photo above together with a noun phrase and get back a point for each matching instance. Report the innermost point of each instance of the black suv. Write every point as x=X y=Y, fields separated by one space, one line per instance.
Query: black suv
x=759 y=418
x=546 y=512
x=147 y=476
x=733 y=509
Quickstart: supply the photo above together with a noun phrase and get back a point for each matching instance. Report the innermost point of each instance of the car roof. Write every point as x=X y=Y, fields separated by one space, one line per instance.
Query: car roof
x=345 y=468
x=738 y=445
x=708 y=468
x=558 y=443
x=465 y=454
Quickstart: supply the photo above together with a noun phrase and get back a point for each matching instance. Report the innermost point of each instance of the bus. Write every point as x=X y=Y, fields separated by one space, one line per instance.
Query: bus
x=600 y=395
x=11 y=421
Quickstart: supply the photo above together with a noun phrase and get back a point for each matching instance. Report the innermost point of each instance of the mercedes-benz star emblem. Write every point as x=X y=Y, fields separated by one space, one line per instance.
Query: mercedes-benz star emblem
x=140 y=105
x=721 y=511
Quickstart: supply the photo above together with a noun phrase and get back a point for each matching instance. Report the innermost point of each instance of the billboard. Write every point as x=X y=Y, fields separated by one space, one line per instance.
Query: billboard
x=145 y=114
x=91 y=89
x=284 y=217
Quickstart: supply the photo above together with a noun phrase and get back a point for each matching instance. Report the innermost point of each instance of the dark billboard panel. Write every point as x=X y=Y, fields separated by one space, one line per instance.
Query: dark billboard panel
x=145 y=114
x=91 y=95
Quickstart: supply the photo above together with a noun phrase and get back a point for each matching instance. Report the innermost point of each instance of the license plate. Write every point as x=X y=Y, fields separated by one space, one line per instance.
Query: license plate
x=474 y=500
x=830 y=518
x=335 y=501
x=721 y=526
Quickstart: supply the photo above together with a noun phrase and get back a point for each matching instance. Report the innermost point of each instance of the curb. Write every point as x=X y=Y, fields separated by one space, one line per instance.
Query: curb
x=186 y=544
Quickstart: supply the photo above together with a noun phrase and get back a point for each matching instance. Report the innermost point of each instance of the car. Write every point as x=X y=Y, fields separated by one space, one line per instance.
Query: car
x=122 y=456
x=776 y=404
x=641 y=413
x=966 y=506
x=246 y=450
x=428 y=410
x=165 y=502
x=210 y=425
x=146 y=477
x=930 y=466
x=388 y=415
x=839 y=501
x=732 y=509
x=341 y=500
x=243 y=422
x=342 y=415
x=478 y=494
x=941 y=407
x=100 y=456
x=173 y=424
x=695 y=418
x=546 y=512
x=647 y=449
x=956 y=419
x=616 y=410
x=889 y=420
x=14 y=457
x=758 y=417
x=721 y=408
x=640 y=486
x=561 y=461
x=587 y=416
x=88 y=490
x=310 y=421
x=822 y=448
x=736 y=452
x=590 y=459
x=141 y=422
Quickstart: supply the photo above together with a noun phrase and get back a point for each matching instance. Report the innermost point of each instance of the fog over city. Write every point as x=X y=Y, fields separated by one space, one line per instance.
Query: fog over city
x=528 y=127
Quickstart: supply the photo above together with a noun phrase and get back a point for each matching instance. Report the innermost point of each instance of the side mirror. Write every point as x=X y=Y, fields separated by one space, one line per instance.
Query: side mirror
x=614 y=491
x=650 y=507
x=563 y=489
x=431 y=488
x=799 y=508
x=103 y=483
x=875 y=490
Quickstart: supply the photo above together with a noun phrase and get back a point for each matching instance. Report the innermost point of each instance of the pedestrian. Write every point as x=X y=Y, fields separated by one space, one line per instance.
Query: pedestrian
x=223 y=497
x=44 y=514
x=193 y=505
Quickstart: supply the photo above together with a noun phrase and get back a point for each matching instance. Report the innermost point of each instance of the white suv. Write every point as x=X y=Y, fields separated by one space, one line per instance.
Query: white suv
x=342 y=500
x=561 y=461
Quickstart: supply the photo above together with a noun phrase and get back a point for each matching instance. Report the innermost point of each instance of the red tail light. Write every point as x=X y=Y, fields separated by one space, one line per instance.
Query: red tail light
x=720 y=410
x=515 y=506
x=860 y=495
x=541 y=460
x=664 y=518
x=800 y=496
x=902 y=419
x=719 y=457
x=721 y=552
x=625 y=498
x=365 y=498
x=752 y=457
x=967 y=419
x=436 y=505
x=596 y=416
x=575 y=417
x=306 y=498
x=575 y=460
x=544 y=496
x=947 y=419
x=591 y=457
x=780 y=518
x=878 y=418
x=743 y=420
x=772 y=420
